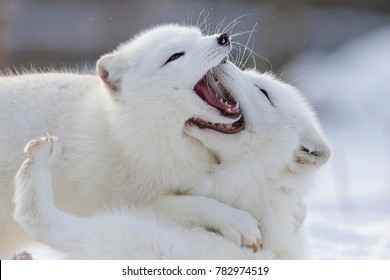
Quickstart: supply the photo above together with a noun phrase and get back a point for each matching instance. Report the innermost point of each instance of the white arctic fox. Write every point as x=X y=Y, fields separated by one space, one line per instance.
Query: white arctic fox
x=265 y=169
x=268 y=166
x=122 y=130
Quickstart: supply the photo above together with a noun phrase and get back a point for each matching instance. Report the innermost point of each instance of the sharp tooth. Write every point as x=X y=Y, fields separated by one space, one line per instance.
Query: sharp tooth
x=237 y=105
x=195 y=117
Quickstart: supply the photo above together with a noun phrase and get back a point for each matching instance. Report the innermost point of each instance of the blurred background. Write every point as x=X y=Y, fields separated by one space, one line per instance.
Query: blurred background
x=337 y=52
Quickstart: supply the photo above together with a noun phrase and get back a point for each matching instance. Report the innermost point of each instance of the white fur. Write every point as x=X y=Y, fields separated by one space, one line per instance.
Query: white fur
x=122 y=131
x=266 y=168
x=114 y=235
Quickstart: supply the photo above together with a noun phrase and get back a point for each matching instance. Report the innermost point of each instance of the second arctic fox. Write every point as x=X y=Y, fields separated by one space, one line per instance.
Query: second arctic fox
x=268 y=166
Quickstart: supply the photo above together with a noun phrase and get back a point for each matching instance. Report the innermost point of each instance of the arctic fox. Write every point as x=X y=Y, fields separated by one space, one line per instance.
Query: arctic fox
x=265 y=169
x=122 y=130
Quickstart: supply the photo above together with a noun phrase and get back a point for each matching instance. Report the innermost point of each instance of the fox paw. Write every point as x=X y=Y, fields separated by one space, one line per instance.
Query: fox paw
x=241 y=228
x=46 y=148
x=23 y=255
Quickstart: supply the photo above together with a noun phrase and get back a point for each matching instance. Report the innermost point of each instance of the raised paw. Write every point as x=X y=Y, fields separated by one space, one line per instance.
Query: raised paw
x=45 y=148
x=241 y=228
x=24 y=255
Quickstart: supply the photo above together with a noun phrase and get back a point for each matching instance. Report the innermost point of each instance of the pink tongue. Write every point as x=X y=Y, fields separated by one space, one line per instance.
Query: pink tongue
x=206 y=93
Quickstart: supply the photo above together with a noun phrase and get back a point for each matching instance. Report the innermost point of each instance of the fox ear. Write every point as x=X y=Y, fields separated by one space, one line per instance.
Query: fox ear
x=111 y=71
x=313 y=152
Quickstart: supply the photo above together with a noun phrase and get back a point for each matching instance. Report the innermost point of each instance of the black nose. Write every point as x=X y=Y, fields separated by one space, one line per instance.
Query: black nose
x=223 y=39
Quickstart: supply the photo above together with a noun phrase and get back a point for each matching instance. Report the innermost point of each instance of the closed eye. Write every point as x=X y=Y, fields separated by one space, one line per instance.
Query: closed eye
x=265 y=93
x=174 y=57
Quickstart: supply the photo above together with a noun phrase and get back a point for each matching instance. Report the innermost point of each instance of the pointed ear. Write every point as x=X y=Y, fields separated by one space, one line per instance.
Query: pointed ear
x=110 y=69
x=313 y=152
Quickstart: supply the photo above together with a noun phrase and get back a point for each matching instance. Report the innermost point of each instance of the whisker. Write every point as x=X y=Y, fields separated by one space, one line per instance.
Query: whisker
x=207 y=22
x=244 y=32
x=206 y=29
x=247 y=42
x=197 y=21
x=237 y=49
x=202 y=25
x=256 y=54
x=233 y=23
x=242 y=56
x=192 y=17
x=231 y=28
x=293 y=81
x=250 y=55
x=189 y=17
x=219 y=25
x=231 y=57
x=253 y=57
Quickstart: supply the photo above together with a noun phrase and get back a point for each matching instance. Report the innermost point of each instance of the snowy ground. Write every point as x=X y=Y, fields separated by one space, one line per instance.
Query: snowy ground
x=349 y=211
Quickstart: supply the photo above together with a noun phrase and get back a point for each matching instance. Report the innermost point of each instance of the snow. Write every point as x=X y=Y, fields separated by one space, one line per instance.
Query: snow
x=349 y=210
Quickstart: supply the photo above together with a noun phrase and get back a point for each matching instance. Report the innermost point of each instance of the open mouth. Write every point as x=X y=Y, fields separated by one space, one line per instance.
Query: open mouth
x=235 y=127
x=213 y=92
